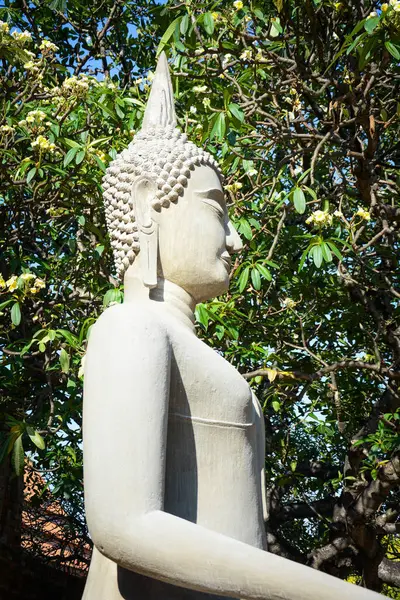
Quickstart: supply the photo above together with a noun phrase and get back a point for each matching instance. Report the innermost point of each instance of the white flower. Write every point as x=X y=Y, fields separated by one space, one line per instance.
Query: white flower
x=47 y=46
x=338 y=214
x=320 y=217
x=39 y=283
x=238 y=4
x=364 y=214
x=43 y=144
x=234 y=187
x=35 y=115
x=246 y=54
x=225 y=60
x=4 y=27
x=6 y=129
x=31 y=66
x=372 y=15
x=27 y=276
x=77 y=86
x=193 y=110
x=22 y=36
x=297 y=170
x=12 y=283
x=200 y=89
x=288 y=303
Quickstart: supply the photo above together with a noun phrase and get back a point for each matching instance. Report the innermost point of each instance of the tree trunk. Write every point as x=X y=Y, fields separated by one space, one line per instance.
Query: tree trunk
x=11 y=498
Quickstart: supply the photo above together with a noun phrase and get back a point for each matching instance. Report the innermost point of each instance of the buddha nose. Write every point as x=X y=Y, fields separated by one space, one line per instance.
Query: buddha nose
x=233 y=240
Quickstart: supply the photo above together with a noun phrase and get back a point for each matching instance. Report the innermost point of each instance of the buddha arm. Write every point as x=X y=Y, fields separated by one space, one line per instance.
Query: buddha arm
x=125 y=425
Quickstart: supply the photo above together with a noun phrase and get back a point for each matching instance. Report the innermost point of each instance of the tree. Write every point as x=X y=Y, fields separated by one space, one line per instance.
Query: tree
x=62 y=119
x=299 y=102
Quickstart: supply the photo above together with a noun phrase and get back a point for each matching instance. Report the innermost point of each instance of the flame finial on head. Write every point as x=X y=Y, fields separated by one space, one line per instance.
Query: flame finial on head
x=160 y=109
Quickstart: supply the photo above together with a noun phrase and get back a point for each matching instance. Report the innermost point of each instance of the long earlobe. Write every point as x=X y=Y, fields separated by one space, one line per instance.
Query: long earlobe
x=142 y=194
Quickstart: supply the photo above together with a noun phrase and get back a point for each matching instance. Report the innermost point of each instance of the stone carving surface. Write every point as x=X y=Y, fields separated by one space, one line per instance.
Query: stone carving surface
x=173 y=435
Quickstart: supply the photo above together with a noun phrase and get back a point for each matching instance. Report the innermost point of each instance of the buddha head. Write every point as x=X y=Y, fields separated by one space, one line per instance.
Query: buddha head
x=165 y=204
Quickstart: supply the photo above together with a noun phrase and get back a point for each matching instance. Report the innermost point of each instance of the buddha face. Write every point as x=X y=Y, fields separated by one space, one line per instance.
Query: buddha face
x=196 y=238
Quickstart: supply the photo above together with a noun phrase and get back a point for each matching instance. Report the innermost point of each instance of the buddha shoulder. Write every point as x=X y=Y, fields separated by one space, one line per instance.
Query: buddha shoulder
x=128 y=322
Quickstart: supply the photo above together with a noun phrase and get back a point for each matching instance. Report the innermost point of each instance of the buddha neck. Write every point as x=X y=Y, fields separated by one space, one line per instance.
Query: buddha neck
x=172 y=297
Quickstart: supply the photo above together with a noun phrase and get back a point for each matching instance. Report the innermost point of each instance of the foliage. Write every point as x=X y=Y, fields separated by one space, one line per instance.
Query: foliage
x=299 y=101
x=62 y=118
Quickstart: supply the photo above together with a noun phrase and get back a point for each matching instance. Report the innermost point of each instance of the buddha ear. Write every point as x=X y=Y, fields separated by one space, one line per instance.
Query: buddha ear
x=143 y=193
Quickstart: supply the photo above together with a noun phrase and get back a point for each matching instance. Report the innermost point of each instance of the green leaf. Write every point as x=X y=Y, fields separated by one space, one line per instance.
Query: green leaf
x=326 y=253
x=79 y=157
x=168 y=34
x=244 y=278
x=394 y=51
x=31 y=175
x=208 y=23
x=69 y=337
x=303 y=258
x=107 y=110
x=219 y=127
x=264 y=271
x=71 y=143
x=276 y=27
x=64 y=360
x=256 y=279
x=6 y=303
x=184 y=24
x=18 y=456
x=99 y=162
x=311 y=192
x=245 y=228
x=119 y=111
x=235 y=110
x=202 y=315
x=335 y=250
x=299 y=200
x=16 y=314
x=371 y=24
x=355 y=43
x=58 y=5
x=317 y=256
x=70 y=155
x=112 y=295
x=276 y=405
x=36 y=438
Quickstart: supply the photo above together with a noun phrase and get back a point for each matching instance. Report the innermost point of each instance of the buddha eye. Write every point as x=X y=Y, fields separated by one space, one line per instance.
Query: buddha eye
x=215 y=206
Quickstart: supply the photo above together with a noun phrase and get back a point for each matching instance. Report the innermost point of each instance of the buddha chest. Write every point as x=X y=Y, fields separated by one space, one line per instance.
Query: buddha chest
x=204 y=385
x=215 y=446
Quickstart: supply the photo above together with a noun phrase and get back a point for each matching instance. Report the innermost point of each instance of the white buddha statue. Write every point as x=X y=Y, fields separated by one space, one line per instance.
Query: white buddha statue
x=173 y=435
